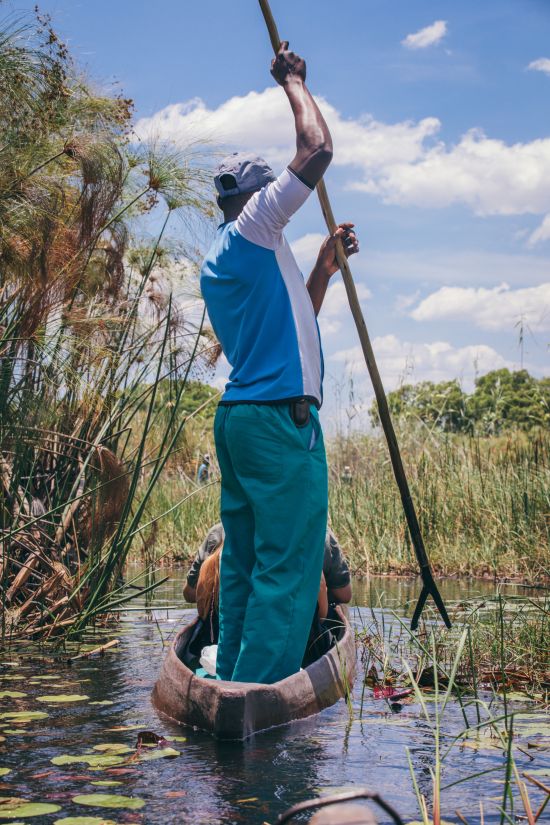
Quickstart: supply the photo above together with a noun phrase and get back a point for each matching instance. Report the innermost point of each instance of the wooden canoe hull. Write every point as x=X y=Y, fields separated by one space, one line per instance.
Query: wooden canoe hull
x=236 y=710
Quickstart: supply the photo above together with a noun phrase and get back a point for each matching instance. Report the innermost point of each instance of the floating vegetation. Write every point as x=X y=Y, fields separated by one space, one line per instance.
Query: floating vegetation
x=5 y=771
x=161 y=753
x=12 y=694
x=94 y=760
x=102 y=800
x=23 y=716
x=506 y=648
x=14 y=809
x=84 y=820
x=60 y=698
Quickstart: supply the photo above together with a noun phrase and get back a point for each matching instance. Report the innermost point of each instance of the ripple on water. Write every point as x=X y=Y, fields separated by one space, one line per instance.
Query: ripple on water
x=213 y=781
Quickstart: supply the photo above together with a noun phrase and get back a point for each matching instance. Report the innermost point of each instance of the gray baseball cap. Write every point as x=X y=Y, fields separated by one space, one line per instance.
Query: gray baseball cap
x=239 y=173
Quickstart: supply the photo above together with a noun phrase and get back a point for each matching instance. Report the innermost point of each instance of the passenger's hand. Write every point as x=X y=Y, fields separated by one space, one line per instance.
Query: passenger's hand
x=287 y=66
x=326 y=260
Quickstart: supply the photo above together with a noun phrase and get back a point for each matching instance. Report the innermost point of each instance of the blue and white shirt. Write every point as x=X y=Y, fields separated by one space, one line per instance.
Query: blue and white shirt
x=258 y=303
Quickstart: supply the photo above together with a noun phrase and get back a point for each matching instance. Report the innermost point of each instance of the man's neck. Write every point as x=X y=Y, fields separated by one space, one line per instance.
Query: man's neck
x=233 y=206
x=232 y=214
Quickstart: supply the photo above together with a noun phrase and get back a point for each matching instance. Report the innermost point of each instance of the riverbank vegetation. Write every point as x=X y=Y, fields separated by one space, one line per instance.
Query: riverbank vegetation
x=482 y=501
x=89 y=340
x=104 y=411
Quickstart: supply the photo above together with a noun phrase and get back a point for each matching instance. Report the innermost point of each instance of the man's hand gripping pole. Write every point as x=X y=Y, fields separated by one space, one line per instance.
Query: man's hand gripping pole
x=429 y=585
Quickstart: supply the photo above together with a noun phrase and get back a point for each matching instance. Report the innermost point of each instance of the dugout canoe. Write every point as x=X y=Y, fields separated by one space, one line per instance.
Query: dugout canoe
x=236 y=710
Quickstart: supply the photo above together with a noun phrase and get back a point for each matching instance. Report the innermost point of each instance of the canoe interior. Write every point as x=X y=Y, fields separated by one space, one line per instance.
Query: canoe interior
x=236 y=710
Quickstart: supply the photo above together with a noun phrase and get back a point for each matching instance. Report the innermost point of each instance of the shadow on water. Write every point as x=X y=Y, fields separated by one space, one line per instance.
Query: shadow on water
x=215 y=782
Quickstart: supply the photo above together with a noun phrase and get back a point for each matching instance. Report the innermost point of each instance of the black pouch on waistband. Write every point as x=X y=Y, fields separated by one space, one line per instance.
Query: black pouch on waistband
x=300 y=412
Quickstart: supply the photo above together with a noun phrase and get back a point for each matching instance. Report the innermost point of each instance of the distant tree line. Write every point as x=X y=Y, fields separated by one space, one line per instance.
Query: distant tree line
x=501 y=400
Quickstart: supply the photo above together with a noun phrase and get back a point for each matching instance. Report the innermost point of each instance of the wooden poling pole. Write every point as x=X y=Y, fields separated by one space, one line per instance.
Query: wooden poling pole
x=429 y=585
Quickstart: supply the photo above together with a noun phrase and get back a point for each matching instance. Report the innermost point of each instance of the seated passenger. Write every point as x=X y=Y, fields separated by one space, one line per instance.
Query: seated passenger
x=202 y=586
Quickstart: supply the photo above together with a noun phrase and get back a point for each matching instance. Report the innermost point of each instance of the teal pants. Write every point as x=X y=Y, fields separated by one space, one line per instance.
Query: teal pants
x=274 y=512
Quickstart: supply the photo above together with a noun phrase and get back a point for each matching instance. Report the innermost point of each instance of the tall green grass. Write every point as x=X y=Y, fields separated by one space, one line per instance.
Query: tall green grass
x=89 y=340
x=483 y=504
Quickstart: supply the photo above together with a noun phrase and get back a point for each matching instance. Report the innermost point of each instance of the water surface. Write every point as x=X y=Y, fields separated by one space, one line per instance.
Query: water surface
x=251 y=782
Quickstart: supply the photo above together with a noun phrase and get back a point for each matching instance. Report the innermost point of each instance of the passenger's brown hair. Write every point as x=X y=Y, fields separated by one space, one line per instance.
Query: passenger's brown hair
x=208 y=585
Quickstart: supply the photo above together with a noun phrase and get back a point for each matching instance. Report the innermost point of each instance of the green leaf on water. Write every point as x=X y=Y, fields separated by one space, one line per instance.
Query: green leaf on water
x=105 y=782
x=5 y=771
x=11 y=694
x=103 y=702
x=124 y=727
x=104 y=800
x=23 y=715
x=92 y=759
x=84 y=820
x=27 y=809
x=45 y=678
x=175 y=738
x=63 y=697
x=114 y=747
x=160 y=753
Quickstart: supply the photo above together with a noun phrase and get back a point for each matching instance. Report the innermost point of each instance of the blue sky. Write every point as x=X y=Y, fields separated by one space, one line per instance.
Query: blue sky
x=442 y=154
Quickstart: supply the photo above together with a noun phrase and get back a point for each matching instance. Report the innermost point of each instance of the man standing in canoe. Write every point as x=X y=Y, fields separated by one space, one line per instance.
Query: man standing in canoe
x=268 y=437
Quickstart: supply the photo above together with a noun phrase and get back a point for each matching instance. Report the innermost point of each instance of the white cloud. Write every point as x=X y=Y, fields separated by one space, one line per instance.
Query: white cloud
x=402 y=361
x=540 y=65
x=499 y=308
x=486 y=174
x=306 y=249
x=428 y=36
x=402 y=163
x=336 y=299
x=262 y=122
x=403 y=301
x=328 y=326
x=541 y=233
x=335 y=305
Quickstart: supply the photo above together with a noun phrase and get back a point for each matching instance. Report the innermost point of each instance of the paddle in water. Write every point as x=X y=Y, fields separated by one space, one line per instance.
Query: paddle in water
x=429 y=586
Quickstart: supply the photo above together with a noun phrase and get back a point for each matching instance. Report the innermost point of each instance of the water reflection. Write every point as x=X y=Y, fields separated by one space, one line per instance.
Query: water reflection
x=213 y=782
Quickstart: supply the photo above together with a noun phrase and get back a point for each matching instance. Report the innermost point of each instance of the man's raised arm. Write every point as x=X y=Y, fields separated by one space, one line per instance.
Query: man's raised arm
x=313 y=140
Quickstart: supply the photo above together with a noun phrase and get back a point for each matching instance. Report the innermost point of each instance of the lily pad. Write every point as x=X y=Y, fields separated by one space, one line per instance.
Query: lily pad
x=62 y=697
x=23 y=715
x=176 y=738
x=27 y=809
x=11 y=694
x=105 y=800
x=92 y=759
x=84 y=820
x=114 y=747
x=5 y=771
x=124 y=727
x=103 y=702
x=45 y=678
x=160 y=753
x=105 y=782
